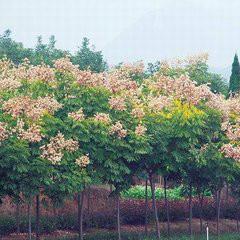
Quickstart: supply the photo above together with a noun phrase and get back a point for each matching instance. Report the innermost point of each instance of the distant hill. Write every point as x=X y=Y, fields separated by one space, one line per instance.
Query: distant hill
x=157 y=36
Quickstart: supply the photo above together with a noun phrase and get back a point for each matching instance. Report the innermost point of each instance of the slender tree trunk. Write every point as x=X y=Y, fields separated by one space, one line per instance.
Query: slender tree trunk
x=152 y=184
x=118 y=217
x=88 y=200
x=227 y=192
x=200 y=197
x=80 y=214
x=18 y=216
x=166 y=205
x=146 y=207
x=190 y=210
x=37 y=217
x=88 y=206
x=237 y=224
x=29 y=220
x=218 y=201
x=54 y=210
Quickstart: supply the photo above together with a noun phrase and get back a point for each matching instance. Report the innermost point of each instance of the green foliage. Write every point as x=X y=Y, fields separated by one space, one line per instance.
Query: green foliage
x=13 y=50
x=234 y=83
x=14 y=166
x=88 y=58
x=177 y=193
x=153 y=68
x=46 y=53
x=138 y=192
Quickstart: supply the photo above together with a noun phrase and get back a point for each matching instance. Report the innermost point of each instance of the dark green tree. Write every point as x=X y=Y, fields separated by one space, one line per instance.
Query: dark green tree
x=88 y=58
x=47 y=53
x=13 y=50
x=234 y=84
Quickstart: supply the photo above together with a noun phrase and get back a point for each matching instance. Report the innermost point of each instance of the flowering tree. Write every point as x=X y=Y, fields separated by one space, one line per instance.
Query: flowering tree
x=73 y=126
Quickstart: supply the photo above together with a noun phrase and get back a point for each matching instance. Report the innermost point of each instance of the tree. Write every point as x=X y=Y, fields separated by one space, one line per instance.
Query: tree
x=234 y=83
x=198 y=71
x=15 y=51
x=88 y=58
x=46 y=53
x=152 y=68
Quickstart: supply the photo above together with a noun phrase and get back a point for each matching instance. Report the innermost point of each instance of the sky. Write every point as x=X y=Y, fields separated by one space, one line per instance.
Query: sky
x=130 y=30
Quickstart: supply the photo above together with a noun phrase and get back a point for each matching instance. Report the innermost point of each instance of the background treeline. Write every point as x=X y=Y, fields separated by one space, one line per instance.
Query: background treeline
x=86 y=57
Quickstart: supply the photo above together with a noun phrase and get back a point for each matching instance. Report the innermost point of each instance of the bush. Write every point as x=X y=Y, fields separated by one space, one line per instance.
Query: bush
x=103 y=219
x=177 y=193
x=67 y=221
x=138 y=192
x=132 y=212
x=7 y=225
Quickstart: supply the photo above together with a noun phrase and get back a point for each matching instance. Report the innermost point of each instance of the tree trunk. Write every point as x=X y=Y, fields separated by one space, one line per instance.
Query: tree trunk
x=80 y=215
x=218 y=202
x=146 y=207
x=200 y=197
x=37 y=217
x=227 y=192
x=237 y=224
x=88 y=206
x=118 y=217
x=18 y=217
x=166 y=205
x=152 y=184
x=88 y=200
x=190 y=210
x=29 y=220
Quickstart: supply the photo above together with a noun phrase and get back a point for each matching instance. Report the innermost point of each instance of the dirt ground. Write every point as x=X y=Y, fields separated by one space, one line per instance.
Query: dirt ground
x=226 y=226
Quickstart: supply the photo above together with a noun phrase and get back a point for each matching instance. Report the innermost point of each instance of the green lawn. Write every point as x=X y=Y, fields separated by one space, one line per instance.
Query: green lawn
x=112 y=236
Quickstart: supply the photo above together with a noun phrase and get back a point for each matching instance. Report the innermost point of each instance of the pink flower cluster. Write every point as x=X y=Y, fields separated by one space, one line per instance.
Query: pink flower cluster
x=231 y=151
x=138 y=113
x=83 y=161
x=117 y=103
x=41 y=72
x=3 y=132
x=117 y=129
x=102 y=117
x=140 y=130
x=182 y=88
x=158 y=103
x=9 y=84
x=65 y=65
x=31 y=134
x=77 y=116
x=117 y=84
x=83 y=77
x=129 y=70
x=32 y=108
x=233 y=132
x=54 y=150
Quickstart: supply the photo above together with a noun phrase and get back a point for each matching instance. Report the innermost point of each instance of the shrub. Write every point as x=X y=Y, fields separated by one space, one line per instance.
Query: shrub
x=103 y=219
x=177 y=193
x=138 y=192
x=67 y=221
x=7 y=225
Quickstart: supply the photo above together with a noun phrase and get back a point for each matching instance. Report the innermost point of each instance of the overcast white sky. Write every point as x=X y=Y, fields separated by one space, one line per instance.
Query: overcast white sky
x=127 y=30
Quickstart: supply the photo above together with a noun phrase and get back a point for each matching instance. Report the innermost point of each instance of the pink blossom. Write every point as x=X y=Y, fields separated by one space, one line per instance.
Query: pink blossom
x=117 y=129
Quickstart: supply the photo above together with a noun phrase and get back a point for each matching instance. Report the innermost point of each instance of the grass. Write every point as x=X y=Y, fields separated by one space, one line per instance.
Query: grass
x=136 y=236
